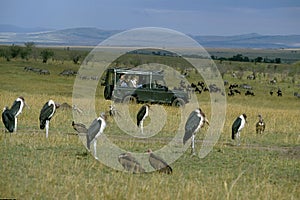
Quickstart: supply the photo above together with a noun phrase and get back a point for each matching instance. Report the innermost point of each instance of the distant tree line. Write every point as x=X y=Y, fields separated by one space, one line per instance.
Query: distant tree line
x=29 y=50
x=241 y=58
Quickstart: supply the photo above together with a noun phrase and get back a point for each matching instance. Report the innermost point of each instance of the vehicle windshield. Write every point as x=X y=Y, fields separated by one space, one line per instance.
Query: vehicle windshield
x=133 y=79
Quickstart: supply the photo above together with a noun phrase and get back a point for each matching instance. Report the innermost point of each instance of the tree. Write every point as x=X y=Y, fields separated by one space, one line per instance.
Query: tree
x=24 y=54
x=75 y=58
x=29 y=45
x=14 y=50
x=277 y=60
x=46 y=54
x=5 y=54
x=258 y=59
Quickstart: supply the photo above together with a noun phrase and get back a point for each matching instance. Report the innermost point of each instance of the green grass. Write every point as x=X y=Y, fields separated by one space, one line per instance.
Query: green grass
x=264 y=167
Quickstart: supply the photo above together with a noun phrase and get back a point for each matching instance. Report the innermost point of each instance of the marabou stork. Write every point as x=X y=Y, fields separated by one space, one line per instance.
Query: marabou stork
x=46 y=114
x=16 y=109
x=195 y=121
x=141 y=116
x=94 y=131
x=113 y=111
x=237 y=126
x=159 y=164
x=8 y=119
x=260 y=125
x=80 y=128
x=130 y=163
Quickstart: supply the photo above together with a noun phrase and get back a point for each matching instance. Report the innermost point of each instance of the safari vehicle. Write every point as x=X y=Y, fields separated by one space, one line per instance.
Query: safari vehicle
x=138 y=85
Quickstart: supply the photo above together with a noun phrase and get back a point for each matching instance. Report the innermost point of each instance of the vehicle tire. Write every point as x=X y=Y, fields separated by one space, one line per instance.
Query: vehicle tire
x=129 y=99
x=178 y=102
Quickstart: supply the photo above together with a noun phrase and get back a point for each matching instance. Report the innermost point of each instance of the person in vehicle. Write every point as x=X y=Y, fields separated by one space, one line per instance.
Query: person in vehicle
x=122 y=81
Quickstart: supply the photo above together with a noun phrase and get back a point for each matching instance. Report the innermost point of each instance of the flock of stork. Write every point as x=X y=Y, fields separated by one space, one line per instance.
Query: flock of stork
x=10 y=115
x=194 y=123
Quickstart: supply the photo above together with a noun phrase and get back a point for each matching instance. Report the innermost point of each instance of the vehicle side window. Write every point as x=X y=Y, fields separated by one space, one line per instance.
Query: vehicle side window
x=122 y=80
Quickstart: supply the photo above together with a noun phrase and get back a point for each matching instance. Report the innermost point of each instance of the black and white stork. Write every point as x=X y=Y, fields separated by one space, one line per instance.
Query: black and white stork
x=196 y=120
x=141 y=116
x=46 y=114
x=94 y=131
x=130 y=163
x=16 y=109
x=8 y=119
x=260 y=125
x=79 y=127
x=237 y=126
x=113 y=111
x=158 y=163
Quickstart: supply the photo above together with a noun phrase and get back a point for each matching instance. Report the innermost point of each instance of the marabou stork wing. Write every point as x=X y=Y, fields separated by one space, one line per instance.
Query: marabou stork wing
x=159 y=164
x=191 y=126
x=141 y=115
x=8 y=120
x=46 y=114
x=235 y=126
x=93 y=131
x=130 y=163
x=15 y=108
x=80 y=128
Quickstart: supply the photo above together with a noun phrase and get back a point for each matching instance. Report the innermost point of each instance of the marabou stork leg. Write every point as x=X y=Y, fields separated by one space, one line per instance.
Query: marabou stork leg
x=142 y=128
x=47 y=128
x=238 y=138
x=193 y=144
x=95 y=149
x=16 y=123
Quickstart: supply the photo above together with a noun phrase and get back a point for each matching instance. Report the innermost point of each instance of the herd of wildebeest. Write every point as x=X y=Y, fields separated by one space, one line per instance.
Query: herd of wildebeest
x=199 y=87
x=234 y=89
x=65 y=72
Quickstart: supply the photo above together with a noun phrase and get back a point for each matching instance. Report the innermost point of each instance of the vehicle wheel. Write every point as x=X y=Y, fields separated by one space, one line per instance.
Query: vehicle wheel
x=178 y=102
x=129 y=99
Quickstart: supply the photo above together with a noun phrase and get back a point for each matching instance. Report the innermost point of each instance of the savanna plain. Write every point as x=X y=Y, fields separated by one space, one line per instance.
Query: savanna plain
x=264 y=166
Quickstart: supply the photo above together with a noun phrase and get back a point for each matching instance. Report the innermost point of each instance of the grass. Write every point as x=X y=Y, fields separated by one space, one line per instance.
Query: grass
x=264 y=167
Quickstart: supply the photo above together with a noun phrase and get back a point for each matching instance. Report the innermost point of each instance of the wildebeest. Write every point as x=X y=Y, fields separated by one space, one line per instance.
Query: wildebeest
x=246 y=86
x=230 y=93
x=68 y=72
x=251 y=77
x=231 y=86
x=44 y=71
x=198 y=90
x=27 y=68
x=249 y=93
x=201 y=84
x=214 y=88
x=296 y=94
x=236 y=91
x=279 y=93
x=193 y=85
x=273 y=81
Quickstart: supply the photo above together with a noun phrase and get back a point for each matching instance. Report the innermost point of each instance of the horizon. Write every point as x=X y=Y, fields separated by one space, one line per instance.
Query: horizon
x=213 y=17
x=45 y=29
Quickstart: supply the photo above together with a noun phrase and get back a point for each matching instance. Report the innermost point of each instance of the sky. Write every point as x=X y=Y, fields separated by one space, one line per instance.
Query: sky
x=198 y=17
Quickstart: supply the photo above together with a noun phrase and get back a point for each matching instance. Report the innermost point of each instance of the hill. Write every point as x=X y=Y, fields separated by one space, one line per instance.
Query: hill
x=86 y=36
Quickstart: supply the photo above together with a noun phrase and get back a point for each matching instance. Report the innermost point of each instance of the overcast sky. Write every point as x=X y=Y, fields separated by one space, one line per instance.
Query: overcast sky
x=201 y=17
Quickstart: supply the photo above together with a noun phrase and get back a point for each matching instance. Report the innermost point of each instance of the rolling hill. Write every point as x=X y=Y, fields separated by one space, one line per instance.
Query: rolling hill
x=86 y=36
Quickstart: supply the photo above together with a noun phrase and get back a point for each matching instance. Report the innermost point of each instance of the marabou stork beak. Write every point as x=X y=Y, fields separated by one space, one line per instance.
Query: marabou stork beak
x=57 y=105
x=206 y=120
x=26 y=105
